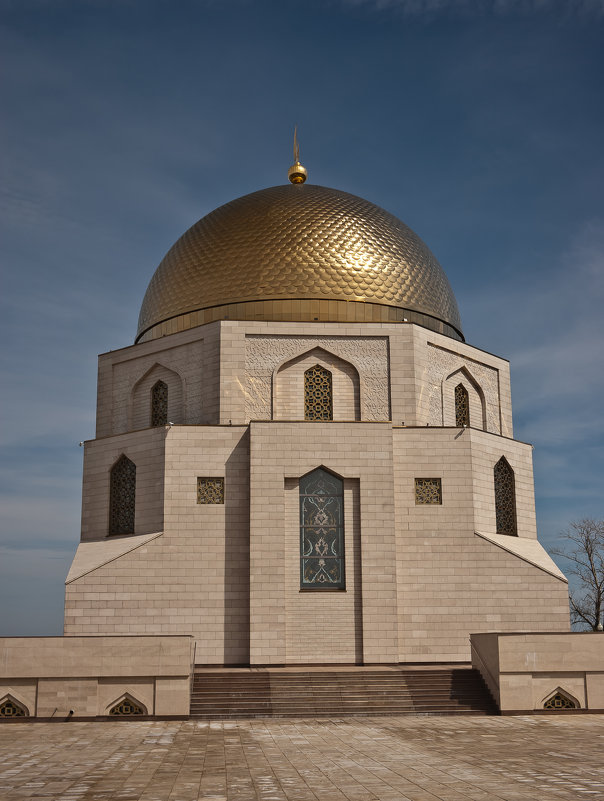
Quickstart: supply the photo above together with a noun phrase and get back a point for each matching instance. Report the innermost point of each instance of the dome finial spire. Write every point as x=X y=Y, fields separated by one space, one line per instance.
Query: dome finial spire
x=297 y=174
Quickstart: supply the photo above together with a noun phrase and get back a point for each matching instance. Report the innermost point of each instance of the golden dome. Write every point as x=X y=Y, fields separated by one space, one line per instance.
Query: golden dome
x=298 y=252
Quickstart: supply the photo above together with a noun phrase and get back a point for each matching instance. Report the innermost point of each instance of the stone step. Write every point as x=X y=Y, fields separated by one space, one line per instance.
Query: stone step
x=337 y=692
x=229 y=714
x=210 y=685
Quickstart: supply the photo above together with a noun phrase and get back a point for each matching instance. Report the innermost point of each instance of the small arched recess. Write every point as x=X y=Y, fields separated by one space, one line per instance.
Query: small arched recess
x=289 y=386
x=460 y=382
x=560 y=699
x=126 y=706
x=147 y=398
x=11 y=708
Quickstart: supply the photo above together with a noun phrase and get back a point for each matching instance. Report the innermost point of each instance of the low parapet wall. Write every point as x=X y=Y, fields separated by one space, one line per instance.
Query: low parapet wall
x=525 y=671
x=87 y=677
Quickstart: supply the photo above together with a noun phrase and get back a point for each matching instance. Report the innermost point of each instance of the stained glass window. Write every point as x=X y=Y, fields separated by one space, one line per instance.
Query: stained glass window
x=126 y=707
x=462 y=406
x=10 y=709
x=505 y=498
x=122 y=496
x=428 y=491
x=559 y=701
x=318 y=400
x=210 y=490
x=159 y=404
x=321 y=531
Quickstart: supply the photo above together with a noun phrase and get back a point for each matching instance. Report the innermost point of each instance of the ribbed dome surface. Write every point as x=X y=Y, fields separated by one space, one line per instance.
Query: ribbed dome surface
x=298 y=242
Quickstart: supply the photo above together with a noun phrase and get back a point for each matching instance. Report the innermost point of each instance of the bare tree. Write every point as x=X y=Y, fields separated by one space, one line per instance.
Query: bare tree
x=585 y=553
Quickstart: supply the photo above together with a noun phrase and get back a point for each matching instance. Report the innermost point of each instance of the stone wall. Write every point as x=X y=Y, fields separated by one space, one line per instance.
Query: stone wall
x=441 y=364
x=146 y=450
x=188 y=362
x=451 y=581
x=524 y=670
x=289 y=625
x=419 y=577
x=84 y=677
x=194 y=577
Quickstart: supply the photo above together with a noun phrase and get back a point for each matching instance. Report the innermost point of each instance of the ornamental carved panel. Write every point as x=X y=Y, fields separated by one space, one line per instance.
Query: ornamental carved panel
x=559 y=701
x=369 y=355
x=11 y=709
x=127 y=707
x=428 y=491
x=210 y=490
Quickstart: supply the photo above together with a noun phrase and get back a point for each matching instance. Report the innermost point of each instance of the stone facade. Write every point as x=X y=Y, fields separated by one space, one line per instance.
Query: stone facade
x=86 y=677
x=526 y=671
x=419 y=577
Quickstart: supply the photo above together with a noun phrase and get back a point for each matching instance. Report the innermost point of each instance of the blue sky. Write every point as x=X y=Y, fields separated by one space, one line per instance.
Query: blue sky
x=478 y=123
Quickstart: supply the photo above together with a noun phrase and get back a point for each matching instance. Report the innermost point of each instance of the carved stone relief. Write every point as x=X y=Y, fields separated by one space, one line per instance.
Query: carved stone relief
x=442 y=363
x=369 y=355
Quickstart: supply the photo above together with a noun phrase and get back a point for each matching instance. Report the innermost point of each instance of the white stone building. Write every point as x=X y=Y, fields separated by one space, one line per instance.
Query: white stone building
x=301 y=460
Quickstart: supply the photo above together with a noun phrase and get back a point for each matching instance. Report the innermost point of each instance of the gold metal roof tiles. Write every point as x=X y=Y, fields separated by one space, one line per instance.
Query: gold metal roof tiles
x=296 y=241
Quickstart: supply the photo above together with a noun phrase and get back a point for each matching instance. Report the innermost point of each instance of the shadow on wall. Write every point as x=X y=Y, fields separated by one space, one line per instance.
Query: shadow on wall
x=237 y=556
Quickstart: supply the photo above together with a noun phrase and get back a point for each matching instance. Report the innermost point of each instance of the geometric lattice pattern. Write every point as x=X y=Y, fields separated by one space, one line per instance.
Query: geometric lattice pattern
x=159 y=404
x=122 y=496
x=559 y=701
x=428 y=491
x=318 y=399
x=10 y=709
x=321 y=531
x=505 y=498
x=126 y=707
x=462 y=406
x=210 y=490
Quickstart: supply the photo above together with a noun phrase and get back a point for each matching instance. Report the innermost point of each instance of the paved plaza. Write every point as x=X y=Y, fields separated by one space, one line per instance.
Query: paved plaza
x=532 y=758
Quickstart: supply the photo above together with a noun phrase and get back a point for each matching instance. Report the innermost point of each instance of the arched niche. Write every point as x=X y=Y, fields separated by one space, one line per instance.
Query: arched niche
x=141 y=406
x=288 y=386
x=560 y=699
x=126 y=706
x=11 y=708
x=475 y=398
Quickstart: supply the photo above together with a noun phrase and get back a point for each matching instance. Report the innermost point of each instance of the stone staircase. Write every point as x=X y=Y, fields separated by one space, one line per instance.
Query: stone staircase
x=339 y=692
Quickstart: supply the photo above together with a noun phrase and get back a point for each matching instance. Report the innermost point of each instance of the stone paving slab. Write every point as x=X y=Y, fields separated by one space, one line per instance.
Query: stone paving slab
x=431 y=758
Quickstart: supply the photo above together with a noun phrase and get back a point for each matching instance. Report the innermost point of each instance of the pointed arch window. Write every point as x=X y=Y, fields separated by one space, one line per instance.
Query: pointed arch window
x=318 y=394
x=462 y=406
x=122 y=494
x=127 y=707
x=560 y=700
x=505 y=498
x=159 y=404
x=9 y=708
x=321 y=531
